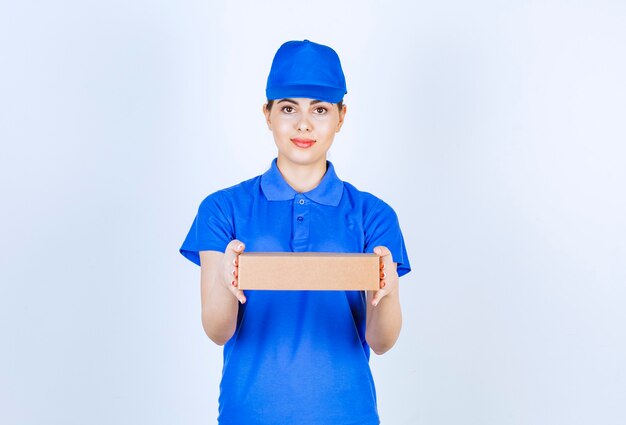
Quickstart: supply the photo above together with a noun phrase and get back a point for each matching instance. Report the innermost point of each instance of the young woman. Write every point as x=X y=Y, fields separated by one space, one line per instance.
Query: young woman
x=298 y=357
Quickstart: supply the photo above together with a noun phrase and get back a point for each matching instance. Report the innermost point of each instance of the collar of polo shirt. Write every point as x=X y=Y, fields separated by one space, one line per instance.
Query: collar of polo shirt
x=328 y=192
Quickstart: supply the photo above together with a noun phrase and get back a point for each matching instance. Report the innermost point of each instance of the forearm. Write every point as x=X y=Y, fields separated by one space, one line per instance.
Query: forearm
x=383 y=322
x=219 y=314
x=219 y=306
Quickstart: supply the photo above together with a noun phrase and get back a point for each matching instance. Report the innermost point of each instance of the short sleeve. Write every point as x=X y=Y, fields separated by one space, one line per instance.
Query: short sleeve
x=383 y=229
x=211 y=230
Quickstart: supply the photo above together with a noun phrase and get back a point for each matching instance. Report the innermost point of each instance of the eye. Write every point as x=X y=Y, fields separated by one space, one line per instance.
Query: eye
x=320 y=110
x=288 y=109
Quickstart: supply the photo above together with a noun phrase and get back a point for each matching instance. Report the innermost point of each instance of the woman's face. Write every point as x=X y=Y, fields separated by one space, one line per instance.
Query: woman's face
x=303 y=129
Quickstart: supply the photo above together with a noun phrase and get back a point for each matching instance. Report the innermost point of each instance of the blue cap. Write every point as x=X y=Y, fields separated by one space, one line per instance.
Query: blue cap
x=306 y=69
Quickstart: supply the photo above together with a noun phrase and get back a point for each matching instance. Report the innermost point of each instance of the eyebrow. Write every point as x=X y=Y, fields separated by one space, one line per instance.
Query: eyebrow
x=313 y=102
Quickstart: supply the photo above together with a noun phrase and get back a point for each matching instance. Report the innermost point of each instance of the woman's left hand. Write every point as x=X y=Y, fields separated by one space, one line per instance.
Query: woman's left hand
x=388 y=275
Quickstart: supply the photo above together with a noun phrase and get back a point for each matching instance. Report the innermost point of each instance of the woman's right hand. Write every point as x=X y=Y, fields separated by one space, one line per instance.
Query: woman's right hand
x=230 y=268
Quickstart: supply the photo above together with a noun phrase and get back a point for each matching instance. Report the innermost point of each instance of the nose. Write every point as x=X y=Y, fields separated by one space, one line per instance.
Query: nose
x=304 y=123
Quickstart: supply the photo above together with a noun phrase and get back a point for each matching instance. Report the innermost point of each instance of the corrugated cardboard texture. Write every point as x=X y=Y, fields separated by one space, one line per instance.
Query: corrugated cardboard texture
x=308 y=271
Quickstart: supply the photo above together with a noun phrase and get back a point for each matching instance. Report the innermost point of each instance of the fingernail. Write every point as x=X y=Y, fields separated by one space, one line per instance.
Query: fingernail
x=235 y=263
x=375 y=302
x=382 y=284
x=233 y=272
x=239 y=247
x=384 y=274
x=233 y=283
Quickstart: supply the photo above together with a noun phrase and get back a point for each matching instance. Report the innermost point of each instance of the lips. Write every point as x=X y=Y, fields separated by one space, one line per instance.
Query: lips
x=302 y=143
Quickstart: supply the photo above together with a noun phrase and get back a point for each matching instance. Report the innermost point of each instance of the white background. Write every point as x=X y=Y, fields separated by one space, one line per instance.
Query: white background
x=495 y=129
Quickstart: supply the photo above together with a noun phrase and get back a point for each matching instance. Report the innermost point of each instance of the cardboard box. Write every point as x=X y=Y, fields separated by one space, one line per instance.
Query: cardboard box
x=309 y=271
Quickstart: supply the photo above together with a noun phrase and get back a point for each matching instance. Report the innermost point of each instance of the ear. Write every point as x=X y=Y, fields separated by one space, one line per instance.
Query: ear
x=266 y=112
x=342 y=115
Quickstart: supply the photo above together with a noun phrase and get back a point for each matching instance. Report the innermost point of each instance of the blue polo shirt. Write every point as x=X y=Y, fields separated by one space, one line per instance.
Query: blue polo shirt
x=297 y=357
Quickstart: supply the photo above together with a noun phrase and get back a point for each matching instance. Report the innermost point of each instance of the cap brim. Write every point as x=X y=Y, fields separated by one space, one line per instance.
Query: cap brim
x=323 y=93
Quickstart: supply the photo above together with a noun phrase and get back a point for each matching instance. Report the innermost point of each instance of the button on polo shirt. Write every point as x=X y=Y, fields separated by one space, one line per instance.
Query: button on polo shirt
x=297 y=356
x=301 y=210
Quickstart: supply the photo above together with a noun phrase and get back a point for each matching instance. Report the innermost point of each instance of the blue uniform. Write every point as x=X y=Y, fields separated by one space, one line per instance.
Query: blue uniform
x=297 y=357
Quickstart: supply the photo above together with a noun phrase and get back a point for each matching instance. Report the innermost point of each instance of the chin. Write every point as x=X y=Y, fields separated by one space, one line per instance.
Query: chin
x=303 y=158
x=295 y=155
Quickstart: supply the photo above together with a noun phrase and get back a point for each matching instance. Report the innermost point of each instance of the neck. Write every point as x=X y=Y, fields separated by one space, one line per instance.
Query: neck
x=302 y=178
